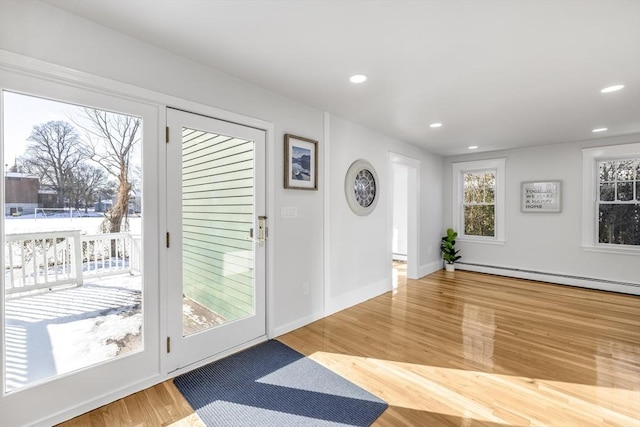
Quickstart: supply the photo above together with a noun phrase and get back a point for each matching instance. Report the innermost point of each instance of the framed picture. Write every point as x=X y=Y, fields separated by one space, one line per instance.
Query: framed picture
x=541 y=196
x=300 y=163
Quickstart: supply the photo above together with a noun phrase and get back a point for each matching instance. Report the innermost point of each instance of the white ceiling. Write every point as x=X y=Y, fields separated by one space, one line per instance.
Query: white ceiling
x=497 y=74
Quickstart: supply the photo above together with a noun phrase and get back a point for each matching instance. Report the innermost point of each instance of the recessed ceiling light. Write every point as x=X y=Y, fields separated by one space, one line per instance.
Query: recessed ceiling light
x=435 y=125
x=473 y=147
x=358 y=78
x=612 y=88
x=596 y=130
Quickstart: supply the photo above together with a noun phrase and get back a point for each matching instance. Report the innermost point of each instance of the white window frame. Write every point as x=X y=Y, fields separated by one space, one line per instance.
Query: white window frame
x=590 y=182
x=459 y=169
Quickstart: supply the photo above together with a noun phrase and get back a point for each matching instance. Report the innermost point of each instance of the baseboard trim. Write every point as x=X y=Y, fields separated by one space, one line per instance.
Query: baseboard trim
x=560 y=279
x=292 y=326
x=92 y=404
x=432 y=267
x=358 y=296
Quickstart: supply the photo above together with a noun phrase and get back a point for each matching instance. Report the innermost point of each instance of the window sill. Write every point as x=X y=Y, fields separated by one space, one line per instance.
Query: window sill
x=485 y=241
x=612 y=250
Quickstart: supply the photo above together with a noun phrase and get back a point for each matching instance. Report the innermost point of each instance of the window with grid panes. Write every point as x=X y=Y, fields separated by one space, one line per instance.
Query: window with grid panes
x=479 y=203
x=618 y=202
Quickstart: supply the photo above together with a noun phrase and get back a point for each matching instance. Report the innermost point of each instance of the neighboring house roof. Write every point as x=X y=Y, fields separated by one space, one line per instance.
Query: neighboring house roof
x=20 y=175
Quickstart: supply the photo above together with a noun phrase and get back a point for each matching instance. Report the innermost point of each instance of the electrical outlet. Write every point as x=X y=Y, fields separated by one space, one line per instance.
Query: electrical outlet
x=305 y=288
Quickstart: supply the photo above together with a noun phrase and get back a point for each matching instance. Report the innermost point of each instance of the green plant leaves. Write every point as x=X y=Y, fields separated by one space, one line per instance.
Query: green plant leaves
x=447 y=247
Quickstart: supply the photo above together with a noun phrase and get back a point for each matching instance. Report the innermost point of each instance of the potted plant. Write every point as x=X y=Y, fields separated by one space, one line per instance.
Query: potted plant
x=448 y=249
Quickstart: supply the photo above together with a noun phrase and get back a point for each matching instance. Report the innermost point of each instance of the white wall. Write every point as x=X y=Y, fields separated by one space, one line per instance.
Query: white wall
x=545 y=242
x=360 y=253
x=400 y=204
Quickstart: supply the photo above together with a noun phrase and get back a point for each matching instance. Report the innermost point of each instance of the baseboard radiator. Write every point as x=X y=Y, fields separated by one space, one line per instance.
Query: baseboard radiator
x=399 y=257
x=563 y=279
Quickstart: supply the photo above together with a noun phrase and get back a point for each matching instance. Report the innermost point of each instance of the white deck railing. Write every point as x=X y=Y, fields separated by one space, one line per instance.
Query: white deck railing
x=45 y=260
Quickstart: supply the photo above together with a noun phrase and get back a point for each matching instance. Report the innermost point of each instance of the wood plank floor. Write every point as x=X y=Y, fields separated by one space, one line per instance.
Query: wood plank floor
x=462 y=349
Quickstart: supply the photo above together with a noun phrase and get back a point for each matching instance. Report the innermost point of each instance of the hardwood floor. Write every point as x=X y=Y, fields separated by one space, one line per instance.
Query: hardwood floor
x=463 y=349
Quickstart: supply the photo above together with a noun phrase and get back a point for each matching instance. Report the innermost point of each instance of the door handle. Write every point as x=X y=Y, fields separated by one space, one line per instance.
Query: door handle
x=262 y=229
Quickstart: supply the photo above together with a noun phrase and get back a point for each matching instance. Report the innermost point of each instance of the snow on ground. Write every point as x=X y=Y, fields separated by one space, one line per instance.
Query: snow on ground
x=53 y=333
x=87 y=225
x=82 y=343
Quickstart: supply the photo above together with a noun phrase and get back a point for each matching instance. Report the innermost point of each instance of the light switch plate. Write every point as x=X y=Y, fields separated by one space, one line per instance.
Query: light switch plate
x=289 y=212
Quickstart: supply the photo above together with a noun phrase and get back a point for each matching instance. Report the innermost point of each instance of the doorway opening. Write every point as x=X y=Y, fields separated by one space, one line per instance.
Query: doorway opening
x=405 y=227
x=400 y=220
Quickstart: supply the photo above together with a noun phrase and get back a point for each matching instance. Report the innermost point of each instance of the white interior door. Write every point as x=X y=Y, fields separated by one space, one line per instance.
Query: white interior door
x=216 y=222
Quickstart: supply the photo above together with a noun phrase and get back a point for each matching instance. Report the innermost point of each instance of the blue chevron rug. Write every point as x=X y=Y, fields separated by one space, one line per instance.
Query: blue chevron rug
x=273 y=385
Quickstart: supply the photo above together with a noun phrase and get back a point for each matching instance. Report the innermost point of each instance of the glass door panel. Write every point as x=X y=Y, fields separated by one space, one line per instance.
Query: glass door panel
x=217 y=218
x=72 y=238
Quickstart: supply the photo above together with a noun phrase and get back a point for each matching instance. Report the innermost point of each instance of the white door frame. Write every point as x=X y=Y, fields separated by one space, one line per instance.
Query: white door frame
x=269 y=128
x=413 y=211
x=188 y=351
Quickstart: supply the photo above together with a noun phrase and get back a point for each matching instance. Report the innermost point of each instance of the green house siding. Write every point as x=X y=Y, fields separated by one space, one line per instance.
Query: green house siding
x=217 y=208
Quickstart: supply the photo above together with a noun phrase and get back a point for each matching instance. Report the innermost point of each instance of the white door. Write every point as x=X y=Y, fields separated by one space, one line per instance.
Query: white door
x=216 y=238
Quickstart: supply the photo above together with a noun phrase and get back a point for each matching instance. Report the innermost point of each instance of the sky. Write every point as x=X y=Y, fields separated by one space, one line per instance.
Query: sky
x=22 y=112
x=299 y=152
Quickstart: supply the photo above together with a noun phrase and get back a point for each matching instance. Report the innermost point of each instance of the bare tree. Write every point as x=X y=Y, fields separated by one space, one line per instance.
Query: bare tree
x=618 y=208
x=87 y=181
x=112 y=139
x=53 y=153
x=479 y=203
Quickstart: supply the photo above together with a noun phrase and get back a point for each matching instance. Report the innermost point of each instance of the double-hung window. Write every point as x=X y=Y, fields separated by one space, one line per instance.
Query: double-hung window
x=611 y=200
x=478 y=199
x=618 y=201
x=479 y=203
